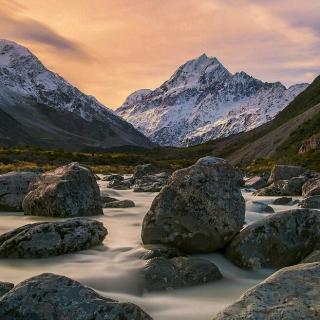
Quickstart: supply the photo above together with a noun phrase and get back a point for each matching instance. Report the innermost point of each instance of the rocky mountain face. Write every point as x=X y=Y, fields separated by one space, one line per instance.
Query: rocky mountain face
x=41 y=108
x=203 y=101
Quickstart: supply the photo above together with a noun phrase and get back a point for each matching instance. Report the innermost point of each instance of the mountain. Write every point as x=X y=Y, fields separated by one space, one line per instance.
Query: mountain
x=38 y=107
x=203 y=101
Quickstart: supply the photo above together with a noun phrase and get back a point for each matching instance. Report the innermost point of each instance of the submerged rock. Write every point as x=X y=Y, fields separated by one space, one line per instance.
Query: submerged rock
x=161 y=273
x=68 y=191
x=50 y=296
x=5 y=287
x=13 y=188
x=290 y=294
x=285 y=172
x=279 y=240
x=312 y=202
x=119 y=204
x=47 y=239
x=199 y=210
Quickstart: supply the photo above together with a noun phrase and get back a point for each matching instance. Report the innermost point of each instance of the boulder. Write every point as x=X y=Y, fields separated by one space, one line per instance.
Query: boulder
x=50 y=296
x=119 y=204
x=5 y=287
x=161 y=273
x=311 y=187
x=148 y=169
x=271 y=190
x=45 y=239
x=313 y=143
x=312 y=202
x=262 y=207
x=113 y=177
x=13 y=188
x=151 y=183
x=282 y=201
x=290 y=294
x=312 y=257
x=279 y=240
x=256 y=182
x=120 y=185
x=161 y=251
x=291 y=187
x=285 y=172
x=199 y=210
x=105 y=199
x=68 y=191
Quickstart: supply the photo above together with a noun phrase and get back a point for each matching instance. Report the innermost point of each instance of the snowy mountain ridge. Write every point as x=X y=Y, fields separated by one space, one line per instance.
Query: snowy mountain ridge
x=203 y=101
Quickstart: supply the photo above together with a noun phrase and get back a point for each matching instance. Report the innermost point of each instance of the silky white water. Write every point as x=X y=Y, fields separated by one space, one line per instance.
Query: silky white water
x=112 y=270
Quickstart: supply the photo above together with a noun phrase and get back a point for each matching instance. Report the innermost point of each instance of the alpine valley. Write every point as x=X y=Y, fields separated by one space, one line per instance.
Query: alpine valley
x=203 y=101
x=38 y=107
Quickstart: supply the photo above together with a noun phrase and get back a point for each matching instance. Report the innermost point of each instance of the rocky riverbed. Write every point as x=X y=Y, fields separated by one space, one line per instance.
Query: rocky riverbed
x=113 y=270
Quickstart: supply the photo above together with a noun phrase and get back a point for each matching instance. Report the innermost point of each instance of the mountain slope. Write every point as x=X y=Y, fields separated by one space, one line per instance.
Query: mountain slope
x=203 y=101
x=45 y=110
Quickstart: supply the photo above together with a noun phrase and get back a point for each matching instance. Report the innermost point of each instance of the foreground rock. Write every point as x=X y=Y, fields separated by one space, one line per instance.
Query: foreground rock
x=5 y=287
x=290 y=294
x=50 y=296
x=285 y=172
x=13 y=189
x=312 y=202
x=279 y=240
x=68 y=191
x=311 y=187
x=199 y=210
x=47 y=239
x=161 y=273
x=119 y=204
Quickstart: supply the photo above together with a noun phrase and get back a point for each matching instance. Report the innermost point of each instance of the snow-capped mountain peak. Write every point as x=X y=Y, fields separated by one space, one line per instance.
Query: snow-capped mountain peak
x=202 y=100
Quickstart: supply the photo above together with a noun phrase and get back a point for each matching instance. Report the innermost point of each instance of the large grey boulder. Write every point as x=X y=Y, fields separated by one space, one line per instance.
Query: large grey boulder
x=311 y=187
x=68 y=191
x=285 y=172
x=5 y=287
x=312 y=202
x=161 y=273
x=54 y=297
x=256 y=182
x=199 y=210
x=46 y=239
x=290 y=294
x=13 y=188
x=279 y=240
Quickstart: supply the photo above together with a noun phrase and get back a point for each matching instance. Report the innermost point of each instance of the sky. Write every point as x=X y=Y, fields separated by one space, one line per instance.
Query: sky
x=110 y=48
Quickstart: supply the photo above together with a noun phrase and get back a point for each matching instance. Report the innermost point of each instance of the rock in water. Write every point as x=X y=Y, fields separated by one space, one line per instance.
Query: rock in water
x=312 y=202
x=50 y=296
x=148 y=169
x=199 y=210
x=161 y=273
x=290 y=294
x=45 y=239
x=282 y=201
x=312 y=257
x=311 y=187
x=256 y=182
x=68 y=191
x=284 y=172
x=119 y=204
x=279 y=240
x=13 y=189
x=5 y=287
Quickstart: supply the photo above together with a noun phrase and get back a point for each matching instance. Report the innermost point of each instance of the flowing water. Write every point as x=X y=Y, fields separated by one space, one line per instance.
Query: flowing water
x=112 y=270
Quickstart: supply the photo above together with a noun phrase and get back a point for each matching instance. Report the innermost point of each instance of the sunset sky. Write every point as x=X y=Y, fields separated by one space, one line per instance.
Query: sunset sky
x=109 y=48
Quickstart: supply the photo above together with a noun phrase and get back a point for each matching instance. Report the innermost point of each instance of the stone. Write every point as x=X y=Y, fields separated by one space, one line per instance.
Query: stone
x=13 y=188
x=161 y=273
x=119 y=204
x=199 y=210
x=151 y=183
x=68 y=191
x=291 y=187
x=312 y=202
x=313 y=143
x=105 y=199
x=45 y=239
x=256 y=182
x=291 y=293
x=282 y=201
x=285 y=172
x=49 y=296
x=269 y=191
x=113 y=177
x=148 y=169
x=5 y=287
x=279 y=240
x=311 y=187
x=120 y=185
x=262 y=207
x=312 y=257
x=161 y=251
